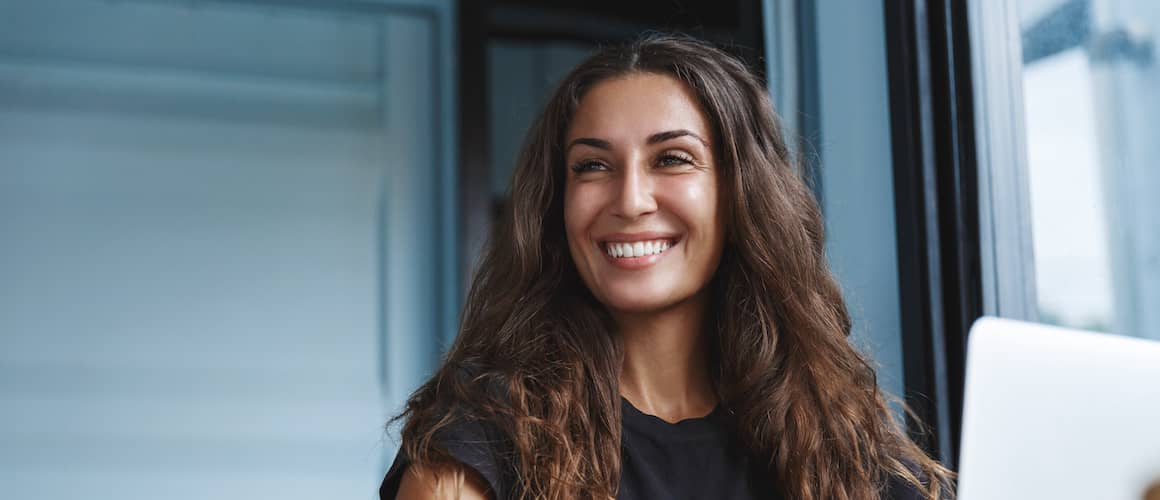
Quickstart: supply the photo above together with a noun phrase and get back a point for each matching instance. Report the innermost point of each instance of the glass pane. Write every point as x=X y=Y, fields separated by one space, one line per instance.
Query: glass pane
x=1091 y=87
x=857 y=187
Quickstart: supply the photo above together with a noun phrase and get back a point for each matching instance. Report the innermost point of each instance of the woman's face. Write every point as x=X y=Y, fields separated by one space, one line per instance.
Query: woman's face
x=641 y=201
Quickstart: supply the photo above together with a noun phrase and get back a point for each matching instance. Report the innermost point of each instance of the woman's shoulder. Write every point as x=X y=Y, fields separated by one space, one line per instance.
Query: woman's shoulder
x=476 y=444
x=468 y=435
x=898 y=488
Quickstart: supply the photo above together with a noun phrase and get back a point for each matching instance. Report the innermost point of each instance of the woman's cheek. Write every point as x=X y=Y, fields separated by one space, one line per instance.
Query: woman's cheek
x=697 y=202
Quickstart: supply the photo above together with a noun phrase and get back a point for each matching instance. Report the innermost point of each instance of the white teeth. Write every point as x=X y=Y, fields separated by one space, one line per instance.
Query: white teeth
x=637 y=249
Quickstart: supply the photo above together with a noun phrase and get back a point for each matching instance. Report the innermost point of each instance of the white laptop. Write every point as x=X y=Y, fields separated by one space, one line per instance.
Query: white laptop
x=1052 y=413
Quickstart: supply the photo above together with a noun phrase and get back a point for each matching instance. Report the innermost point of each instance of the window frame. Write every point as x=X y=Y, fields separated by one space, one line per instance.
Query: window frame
x=1008 y=261
x=937 y=209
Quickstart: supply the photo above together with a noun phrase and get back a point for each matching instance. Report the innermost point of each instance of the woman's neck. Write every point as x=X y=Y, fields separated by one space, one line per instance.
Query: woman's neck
x=666 y=364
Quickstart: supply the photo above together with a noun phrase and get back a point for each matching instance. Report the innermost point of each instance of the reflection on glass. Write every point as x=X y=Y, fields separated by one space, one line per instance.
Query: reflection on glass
x=1091 y=87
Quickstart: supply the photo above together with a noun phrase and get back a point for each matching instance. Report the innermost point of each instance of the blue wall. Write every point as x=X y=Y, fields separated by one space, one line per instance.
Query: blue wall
x=226 y=252
x=857 y=176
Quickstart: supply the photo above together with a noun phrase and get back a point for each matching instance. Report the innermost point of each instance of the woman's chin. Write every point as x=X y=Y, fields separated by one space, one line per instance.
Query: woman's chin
x=638 y=303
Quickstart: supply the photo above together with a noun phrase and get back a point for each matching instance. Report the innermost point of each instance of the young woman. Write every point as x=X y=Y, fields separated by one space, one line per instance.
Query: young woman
x=654 y=317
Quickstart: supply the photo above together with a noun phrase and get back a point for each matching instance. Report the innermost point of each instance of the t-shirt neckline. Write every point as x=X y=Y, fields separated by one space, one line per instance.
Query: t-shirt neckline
x=690 y=428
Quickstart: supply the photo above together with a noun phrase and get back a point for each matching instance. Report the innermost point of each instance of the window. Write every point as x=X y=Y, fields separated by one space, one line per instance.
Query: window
x=1067 y=101
x=1091 y=92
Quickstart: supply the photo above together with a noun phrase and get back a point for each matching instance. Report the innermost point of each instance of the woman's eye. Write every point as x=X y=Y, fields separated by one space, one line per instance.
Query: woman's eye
x=588 y=166
x=669 y=160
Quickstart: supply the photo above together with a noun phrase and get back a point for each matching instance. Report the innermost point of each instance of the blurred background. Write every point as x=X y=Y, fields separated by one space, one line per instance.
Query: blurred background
x=236 y=234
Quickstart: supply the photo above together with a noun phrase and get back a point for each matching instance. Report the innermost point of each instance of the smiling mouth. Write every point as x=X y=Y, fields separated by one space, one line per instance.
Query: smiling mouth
x=637 y=249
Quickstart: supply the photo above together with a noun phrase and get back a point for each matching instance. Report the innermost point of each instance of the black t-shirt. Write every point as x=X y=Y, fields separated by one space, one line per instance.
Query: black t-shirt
x=698 y=458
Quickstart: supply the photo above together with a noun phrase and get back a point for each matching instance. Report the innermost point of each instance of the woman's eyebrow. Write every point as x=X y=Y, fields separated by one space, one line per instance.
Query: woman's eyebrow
x=656 y=138
x=590 y=141
x=660 y=137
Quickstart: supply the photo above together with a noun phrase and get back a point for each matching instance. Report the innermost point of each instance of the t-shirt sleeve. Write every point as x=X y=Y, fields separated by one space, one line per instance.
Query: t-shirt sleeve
x=901 y=489
x=472 y=443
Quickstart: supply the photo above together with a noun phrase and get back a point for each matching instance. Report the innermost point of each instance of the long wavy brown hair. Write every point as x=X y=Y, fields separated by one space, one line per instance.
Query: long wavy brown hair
x=538 y=358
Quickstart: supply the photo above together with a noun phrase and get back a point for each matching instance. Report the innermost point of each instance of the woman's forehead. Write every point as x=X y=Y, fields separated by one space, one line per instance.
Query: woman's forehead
x=633 y=108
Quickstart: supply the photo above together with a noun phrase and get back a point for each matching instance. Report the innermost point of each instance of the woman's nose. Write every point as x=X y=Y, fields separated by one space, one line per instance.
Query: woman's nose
x=635 y=197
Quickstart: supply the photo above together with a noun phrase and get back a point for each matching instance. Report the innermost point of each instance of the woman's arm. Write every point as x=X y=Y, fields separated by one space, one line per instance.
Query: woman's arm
x=450 y=483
